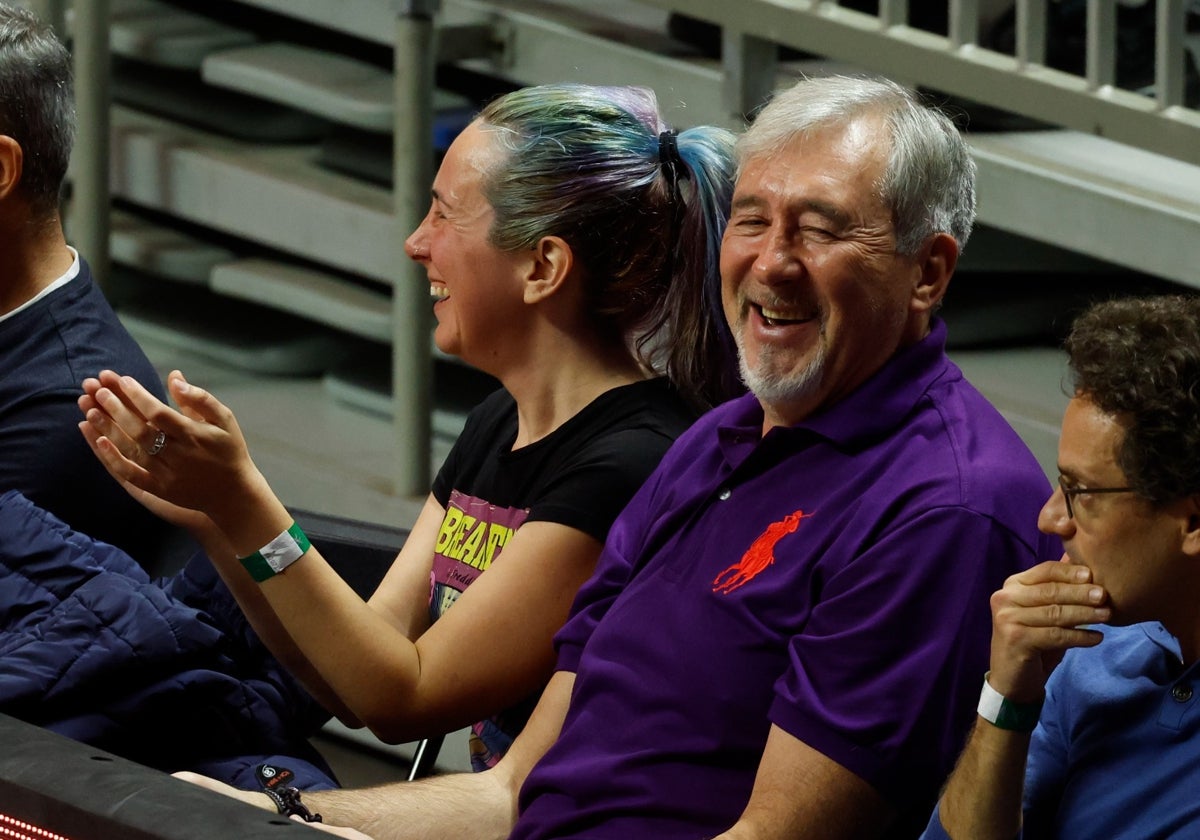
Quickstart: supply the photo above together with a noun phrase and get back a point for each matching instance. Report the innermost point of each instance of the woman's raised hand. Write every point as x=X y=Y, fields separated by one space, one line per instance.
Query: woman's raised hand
x=194 y=458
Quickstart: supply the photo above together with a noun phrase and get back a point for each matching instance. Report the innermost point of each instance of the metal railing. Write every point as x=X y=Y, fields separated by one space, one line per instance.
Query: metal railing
x=956 y=63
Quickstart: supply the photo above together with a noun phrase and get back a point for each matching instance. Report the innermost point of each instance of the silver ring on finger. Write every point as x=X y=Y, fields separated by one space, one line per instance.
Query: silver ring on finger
x=160 y=443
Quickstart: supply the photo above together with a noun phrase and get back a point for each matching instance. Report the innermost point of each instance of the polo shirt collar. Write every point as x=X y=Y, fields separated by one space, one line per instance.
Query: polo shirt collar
x=873 y=409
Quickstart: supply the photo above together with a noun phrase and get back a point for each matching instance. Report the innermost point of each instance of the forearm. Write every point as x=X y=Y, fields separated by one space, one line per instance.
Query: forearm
x=353 y=660
x=801 y=793
x=982 y=800
x=271 y=631
x=477 y=805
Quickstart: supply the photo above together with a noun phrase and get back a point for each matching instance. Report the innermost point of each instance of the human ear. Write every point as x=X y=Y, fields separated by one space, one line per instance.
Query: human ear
x=936 y=261
x=550 y=265
x=12 y=159
x=1191 y=527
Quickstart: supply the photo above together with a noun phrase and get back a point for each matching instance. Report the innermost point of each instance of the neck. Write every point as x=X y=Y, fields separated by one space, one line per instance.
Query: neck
x=1189 y=643
x=549 y=395
x=31 y=258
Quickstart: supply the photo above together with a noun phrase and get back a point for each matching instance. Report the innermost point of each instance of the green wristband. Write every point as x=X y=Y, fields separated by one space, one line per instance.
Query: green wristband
x=1001 y=712
x=277 y=555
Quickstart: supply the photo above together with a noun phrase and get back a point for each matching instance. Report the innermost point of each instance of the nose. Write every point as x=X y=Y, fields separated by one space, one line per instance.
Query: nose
x=416 y=246
x=776 y=261
x=1053 y=519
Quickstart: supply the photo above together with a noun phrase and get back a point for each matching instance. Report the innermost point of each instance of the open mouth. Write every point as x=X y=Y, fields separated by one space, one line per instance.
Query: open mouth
x=439 y=292
x=779 y=317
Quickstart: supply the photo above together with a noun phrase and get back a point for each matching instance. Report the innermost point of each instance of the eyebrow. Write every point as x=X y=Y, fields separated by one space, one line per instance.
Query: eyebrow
x=813 y=205
x=1076 y=480
x=437 y=196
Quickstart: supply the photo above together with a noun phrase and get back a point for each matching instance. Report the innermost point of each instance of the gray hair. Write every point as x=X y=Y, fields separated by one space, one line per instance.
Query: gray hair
x=37 y=107
x=930 y=178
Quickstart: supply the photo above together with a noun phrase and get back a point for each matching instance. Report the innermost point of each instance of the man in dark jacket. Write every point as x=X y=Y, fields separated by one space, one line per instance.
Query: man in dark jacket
x=90 y=647
x=56 y=328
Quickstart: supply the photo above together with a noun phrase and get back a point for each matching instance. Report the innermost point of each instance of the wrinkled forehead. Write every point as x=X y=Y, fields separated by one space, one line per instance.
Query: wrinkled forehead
x=843 y=164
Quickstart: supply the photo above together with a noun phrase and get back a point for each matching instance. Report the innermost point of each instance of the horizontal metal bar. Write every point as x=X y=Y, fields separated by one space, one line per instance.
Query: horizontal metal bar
x=541 y=44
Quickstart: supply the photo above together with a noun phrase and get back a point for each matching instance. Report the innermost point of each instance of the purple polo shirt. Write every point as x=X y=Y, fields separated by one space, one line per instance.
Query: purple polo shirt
x=831 y=578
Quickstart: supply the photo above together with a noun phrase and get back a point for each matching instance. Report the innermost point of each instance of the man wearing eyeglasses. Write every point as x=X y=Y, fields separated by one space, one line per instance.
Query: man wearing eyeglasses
x=1104 y=740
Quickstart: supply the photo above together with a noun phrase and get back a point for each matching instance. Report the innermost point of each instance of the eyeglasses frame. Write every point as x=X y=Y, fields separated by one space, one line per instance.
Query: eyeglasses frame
x=1068 y=492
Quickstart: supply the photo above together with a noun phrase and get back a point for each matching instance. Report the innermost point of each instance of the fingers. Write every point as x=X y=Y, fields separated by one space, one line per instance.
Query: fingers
x=198 y=404
x=1063 y=571
x=123 y=469
x=1036 y=617
x=1052 y=594
x=125 y=399
x=137 y=423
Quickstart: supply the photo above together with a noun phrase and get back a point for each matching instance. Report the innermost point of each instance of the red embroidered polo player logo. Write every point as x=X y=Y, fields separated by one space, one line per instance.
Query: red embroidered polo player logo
x=758 y=556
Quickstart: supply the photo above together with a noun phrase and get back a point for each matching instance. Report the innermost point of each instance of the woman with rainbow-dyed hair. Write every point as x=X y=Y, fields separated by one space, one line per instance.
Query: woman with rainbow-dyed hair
x=571 y=247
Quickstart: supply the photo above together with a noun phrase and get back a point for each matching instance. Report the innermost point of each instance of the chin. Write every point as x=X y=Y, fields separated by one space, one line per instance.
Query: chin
x=781 y=388
x=450 y=348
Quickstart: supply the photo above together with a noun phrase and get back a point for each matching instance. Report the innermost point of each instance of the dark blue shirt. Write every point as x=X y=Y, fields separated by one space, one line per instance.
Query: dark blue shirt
x=46 y=351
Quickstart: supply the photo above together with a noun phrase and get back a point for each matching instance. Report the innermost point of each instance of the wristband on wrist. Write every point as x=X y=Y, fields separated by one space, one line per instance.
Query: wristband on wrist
x=1003 y=713
x=274 y=781
x=277 y=555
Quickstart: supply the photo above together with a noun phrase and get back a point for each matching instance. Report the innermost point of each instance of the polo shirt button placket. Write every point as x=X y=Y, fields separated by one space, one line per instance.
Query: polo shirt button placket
x=1182 y=693
x=724 y=493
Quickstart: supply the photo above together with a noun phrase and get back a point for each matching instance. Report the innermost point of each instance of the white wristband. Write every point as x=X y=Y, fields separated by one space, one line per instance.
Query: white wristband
x=999 y=711
x=277 y=555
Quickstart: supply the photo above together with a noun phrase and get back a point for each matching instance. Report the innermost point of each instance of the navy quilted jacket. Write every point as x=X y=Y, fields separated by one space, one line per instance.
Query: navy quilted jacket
x=166 y=673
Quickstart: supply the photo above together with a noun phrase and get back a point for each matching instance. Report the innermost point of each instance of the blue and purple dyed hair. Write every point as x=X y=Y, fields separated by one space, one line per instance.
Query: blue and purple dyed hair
x=584 y=164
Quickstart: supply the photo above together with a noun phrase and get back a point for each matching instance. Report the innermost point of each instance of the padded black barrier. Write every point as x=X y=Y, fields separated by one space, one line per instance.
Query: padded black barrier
x=361 y=552
x=82 y=793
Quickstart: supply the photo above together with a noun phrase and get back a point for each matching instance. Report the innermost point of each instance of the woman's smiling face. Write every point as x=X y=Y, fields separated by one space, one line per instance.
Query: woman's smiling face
x=477 y=287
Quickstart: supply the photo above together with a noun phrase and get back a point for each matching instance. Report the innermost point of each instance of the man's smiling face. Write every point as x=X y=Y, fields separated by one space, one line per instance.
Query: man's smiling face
x=814 y=291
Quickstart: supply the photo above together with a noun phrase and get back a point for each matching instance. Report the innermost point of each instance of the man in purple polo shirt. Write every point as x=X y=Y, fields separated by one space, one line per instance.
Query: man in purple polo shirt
x=786 y=630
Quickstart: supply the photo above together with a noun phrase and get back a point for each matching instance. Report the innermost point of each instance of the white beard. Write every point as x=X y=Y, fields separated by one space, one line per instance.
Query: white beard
x=774 y=386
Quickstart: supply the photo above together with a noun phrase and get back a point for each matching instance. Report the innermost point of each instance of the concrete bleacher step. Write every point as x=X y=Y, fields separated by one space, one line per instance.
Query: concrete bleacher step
x=364 y=382
x=336 y=87
x=274 y=195
x=164 y=35
x=241 y=336
x=181 y=96
x=163 y=252
x=312 y=294
x=1126 y=206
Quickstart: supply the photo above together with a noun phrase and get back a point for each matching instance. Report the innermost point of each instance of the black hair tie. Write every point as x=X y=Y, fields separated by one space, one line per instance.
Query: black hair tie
x=673 y=167
x=668 y=153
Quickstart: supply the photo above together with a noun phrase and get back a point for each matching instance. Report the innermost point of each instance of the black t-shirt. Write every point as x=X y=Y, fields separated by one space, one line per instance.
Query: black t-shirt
x=584 y=472
x=581 y=475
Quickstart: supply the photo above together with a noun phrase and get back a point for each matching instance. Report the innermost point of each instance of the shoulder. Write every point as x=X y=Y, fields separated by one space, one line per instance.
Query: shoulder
x=980 y=461
x=650 y=411
x=1126 y=653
